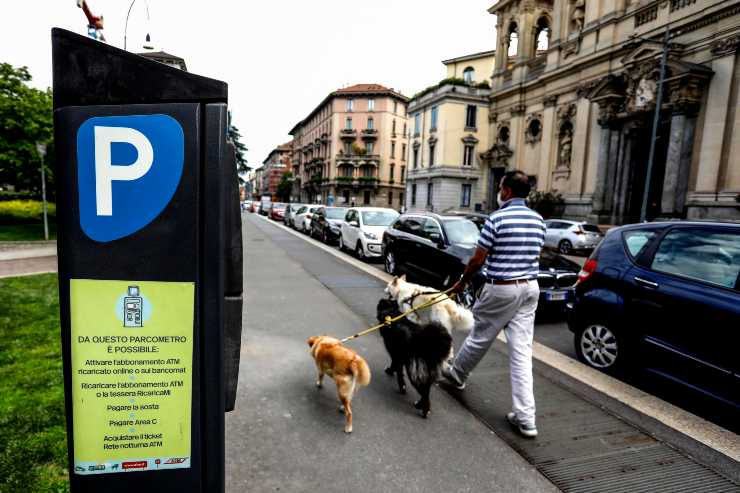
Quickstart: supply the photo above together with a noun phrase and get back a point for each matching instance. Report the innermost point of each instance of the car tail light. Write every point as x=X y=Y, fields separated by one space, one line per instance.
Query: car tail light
x=579 y=231
x=587 y=270
x=309 y=215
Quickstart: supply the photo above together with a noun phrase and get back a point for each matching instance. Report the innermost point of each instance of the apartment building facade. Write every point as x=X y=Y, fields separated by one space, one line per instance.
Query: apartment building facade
x=351 y=148
x=275 y=165
x=448 y=132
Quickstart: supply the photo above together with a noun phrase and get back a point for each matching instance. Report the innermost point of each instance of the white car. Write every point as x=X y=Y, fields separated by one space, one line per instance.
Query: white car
x=302 y=218
x=570 y=236
x=363 y=228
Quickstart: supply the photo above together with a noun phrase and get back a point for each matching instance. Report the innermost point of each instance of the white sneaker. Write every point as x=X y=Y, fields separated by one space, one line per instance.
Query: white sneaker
x=529 y=431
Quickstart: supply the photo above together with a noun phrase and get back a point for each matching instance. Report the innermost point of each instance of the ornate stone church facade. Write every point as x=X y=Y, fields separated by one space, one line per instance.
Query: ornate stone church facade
x=574 y=93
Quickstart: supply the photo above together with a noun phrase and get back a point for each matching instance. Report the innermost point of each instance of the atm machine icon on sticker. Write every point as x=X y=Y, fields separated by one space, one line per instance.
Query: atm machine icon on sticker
x=132 y=308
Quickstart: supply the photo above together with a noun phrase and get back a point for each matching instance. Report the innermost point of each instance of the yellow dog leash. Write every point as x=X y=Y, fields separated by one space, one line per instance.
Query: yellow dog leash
x=389 y=320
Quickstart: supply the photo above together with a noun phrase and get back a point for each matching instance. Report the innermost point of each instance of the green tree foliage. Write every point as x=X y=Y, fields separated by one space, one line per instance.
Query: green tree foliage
x=25 y=119
x=241 y=149
x=285 y=186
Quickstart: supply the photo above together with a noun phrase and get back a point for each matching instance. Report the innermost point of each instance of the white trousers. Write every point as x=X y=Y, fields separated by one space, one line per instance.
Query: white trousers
x=510 y=307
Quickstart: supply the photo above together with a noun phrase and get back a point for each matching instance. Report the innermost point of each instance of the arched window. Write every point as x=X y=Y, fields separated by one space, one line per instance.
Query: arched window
x=542 y=36
x=513 y=40
x=468 y=74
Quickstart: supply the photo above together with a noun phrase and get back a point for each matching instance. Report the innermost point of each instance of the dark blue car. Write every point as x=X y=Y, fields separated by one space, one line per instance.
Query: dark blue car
x=664 y=297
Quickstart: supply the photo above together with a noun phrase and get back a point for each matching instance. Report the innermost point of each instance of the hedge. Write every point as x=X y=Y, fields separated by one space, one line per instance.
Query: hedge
x=24 y=211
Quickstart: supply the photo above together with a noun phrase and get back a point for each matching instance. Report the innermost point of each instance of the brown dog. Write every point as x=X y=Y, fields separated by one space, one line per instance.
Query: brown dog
x=343 y=365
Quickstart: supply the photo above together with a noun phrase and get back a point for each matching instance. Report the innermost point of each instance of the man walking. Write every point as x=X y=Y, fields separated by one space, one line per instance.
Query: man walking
x=509 y=246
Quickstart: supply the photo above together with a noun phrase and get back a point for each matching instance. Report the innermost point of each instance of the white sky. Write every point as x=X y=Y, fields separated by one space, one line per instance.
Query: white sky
x=279 y=57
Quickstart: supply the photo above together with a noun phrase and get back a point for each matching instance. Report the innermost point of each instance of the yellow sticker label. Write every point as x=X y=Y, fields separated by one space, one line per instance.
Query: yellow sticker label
x=132 y=358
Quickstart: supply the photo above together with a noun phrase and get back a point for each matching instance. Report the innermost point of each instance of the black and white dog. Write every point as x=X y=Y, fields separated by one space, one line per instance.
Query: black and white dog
x=420 y=349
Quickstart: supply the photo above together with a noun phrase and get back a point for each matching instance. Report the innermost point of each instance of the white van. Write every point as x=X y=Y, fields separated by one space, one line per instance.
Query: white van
x=363 y=228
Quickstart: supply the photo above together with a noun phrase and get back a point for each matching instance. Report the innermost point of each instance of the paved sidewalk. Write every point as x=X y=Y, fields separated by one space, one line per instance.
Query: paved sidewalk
x=287 y=435
x=23 y=258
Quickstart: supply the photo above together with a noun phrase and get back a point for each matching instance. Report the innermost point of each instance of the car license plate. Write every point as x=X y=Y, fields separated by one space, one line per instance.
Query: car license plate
x=557 y=295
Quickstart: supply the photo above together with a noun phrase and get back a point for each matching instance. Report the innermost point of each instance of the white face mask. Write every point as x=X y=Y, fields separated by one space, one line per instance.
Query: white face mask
x=498 y=199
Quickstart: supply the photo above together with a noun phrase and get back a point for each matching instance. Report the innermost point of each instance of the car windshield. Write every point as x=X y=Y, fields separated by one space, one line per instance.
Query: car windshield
x=461 y=231
x=278 y=206
x=378 y=218
x=312 y=209
x=335 y=213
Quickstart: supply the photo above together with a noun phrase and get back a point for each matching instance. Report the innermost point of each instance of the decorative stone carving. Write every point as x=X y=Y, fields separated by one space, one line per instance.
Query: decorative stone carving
x=518 y=110
x=565 y=145
x=577 y=15
x=726 y=46
x=642 y=88
x=566 y=113
x=549 y=101
x=470 y=139
x=533 y=129
x=498 y=155
x=685 y=94
x=492 y=117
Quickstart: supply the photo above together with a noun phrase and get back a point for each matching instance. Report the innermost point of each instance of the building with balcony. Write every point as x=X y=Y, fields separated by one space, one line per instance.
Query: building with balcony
x=275 y=165
x=448 y=132
x=575 y=87
x=351 y=148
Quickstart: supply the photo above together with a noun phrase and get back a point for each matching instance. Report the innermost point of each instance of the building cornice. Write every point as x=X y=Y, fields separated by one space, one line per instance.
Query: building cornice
x=473 y=56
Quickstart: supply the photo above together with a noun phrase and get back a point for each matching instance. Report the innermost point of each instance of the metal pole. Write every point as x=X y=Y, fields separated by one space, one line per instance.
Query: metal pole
x=656 y=121
x=42 y=153
x=125 y=28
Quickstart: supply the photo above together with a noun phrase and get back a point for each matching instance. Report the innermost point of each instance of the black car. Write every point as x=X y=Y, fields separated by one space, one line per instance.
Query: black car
x=326 y=223
x=433 y=250
x=664 y=297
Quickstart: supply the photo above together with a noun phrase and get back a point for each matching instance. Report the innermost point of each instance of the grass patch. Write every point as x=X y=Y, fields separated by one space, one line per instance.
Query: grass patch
x=33 y=442
x=26 y=232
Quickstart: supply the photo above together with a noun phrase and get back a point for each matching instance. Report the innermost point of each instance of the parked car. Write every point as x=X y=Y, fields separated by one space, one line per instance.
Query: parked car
x=290 y=212
x=277 y=211
x=327 y=222
x=302 y=221
x=363 y=228
x=664 y=297
x=434 y=249
x=254 y=206
x=571 y=236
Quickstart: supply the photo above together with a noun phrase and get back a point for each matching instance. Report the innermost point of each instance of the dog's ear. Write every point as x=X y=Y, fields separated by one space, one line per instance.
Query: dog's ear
x=312 y=340
x=402 y=278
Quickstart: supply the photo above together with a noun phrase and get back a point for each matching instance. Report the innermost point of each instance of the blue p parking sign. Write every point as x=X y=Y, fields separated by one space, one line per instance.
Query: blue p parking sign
x=128 y=169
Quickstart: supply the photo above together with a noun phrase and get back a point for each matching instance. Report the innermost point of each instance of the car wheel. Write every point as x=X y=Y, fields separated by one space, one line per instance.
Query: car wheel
x=360 y=251
x=600 y=347
x=565 y=247
x=390 y=262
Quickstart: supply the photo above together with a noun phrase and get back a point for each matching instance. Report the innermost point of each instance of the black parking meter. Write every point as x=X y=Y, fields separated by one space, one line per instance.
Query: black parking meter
x=150 y=269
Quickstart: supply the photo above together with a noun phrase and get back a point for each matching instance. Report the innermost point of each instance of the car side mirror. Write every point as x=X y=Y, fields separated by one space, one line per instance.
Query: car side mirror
x=354 y=224
x=437 y=238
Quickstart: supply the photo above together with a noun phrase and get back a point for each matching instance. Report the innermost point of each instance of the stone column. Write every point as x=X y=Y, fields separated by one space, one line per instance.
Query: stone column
x=601 y=170
x=678 y=161
x=715 y=119
x=621 y=182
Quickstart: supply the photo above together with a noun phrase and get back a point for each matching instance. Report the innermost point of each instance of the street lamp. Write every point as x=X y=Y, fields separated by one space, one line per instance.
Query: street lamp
x=125 y=28
x=656 y=121
x=41 y=148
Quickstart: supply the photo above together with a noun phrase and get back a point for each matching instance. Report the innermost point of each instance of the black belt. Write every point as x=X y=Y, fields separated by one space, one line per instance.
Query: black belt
x=508 y=281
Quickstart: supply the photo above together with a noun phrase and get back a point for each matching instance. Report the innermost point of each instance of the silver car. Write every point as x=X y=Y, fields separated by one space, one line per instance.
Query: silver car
x=572 y=236
x=290 y=212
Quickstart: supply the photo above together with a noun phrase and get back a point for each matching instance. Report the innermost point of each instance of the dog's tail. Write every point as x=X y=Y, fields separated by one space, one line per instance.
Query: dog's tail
x=462 y=318
x=360 y=371
x=430 y=347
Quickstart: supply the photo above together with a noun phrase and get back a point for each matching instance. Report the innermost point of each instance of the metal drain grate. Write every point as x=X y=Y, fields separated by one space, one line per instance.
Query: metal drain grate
x=582 y=448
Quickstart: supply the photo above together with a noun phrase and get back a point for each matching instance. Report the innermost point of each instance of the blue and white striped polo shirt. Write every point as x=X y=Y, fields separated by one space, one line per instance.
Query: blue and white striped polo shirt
x=513 y=236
